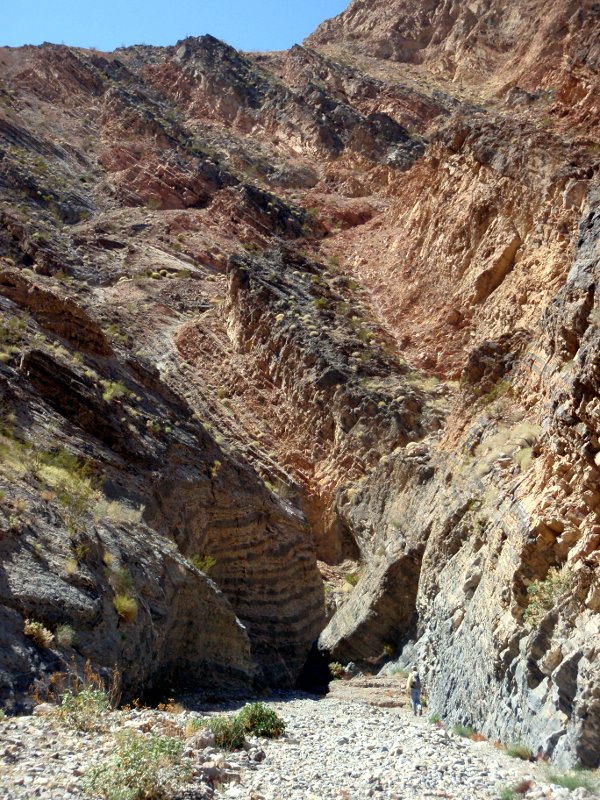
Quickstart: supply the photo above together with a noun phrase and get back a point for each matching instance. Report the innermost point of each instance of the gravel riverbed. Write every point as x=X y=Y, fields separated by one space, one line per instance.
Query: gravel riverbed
x=333 y=748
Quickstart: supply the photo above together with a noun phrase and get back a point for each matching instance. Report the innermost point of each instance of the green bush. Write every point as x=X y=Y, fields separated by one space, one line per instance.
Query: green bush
x=72 y=482
x=83 y=710
x=399 y=672
x=262 y=721
x=434 y=718
x=524 y=458
x=120 y=579
x=229 y=731
x=143 y=768
x=115 y=511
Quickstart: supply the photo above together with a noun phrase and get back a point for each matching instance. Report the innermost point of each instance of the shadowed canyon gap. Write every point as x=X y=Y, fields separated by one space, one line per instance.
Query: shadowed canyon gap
x=306 y=345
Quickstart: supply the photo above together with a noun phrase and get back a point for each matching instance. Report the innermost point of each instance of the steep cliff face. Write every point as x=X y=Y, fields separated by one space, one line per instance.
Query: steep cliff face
x=483 y=543
x=278 y=324
x=485 y=551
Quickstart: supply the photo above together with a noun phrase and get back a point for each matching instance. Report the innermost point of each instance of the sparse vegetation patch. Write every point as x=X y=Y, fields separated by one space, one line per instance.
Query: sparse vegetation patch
x=143 y=768
x=575 y=779
x=519 y=750
x=466 y=731
x=545 y=594
x=38 y=633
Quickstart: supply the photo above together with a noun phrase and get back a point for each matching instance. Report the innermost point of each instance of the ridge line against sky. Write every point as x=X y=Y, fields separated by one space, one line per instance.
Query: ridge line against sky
x=245 y=24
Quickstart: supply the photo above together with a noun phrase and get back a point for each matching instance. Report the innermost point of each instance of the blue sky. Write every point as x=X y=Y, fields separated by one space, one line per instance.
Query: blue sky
x=106 y=24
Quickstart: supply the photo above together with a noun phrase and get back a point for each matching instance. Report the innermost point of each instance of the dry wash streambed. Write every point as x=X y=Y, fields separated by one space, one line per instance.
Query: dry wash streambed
x=358 y=742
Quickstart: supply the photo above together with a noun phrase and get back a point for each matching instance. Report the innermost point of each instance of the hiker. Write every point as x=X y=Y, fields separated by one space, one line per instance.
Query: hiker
x=413 y=688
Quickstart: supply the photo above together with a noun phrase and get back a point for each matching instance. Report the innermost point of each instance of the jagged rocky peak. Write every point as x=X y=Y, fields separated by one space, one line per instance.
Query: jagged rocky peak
x=303 y=346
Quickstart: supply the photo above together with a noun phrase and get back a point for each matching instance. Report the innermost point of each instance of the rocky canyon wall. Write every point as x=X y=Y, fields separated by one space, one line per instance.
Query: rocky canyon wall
x=305 y=344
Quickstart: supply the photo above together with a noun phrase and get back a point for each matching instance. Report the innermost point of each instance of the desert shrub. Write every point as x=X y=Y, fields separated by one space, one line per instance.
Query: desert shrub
x=71 y=481
x=126 y=607
x=524 y=458
x=143 y=768
x=203 y=563
x=83 y=709
x=498 y=390
x=170 y=706
x=506 y=793
x=519 y=750
x=229 y=731
x=38 y=633
x=336 y=670
x=117 y=512
x=80 y=550
x=82 y=700
x=544 y=595
x=464 y=730
x=575 y=779
x=65 y=635
x=252 y=247
x=11 y=336
x=62 y=460
x=421 y=381
x=116 y=333
x=262 y=721
x=434 y=718
x=113 y=390
x=121 y=580
x=515 y=791
x=71 y=566
x=15 y=456
x=124 y=602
